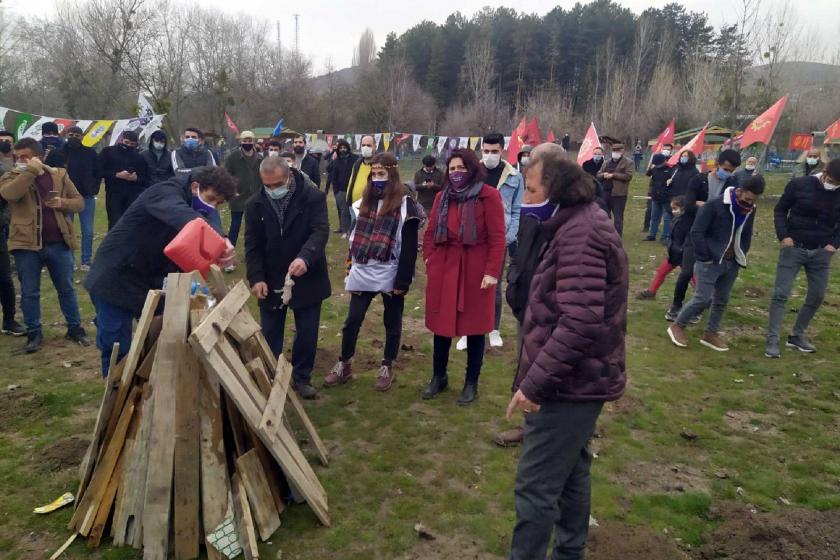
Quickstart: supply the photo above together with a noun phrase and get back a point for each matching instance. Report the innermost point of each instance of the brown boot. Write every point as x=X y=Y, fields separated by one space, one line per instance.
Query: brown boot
x=714 y=341
x=678 y=335
x=645 y=294
x=384 y=379
x=509 y=438
x=340 y=374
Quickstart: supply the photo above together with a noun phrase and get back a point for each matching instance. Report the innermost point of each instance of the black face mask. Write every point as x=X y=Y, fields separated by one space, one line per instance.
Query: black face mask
x=247 y=147
x=126 y=148
x=343 y=153
x=5 y=147
x=299 y=149
x=74 y=142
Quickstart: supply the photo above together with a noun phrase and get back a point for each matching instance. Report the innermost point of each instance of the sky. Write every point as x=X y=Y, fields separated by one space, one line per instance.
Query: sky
x=330 y=29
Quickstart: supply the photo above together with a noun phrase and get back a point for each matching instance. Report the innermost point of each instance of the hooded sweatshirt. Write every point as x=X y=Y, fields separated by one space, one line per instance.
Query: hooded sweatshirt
x=159 y=163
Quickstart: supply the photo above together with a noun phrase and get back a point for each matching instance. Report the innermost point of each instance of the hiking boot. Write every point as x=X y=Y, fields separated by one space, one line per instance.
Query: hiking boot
x=12 y=327
x=801 y=343
x=678 y=336
x=461 y=344
x=645 y=294
x=306 y=391
x=34 y=340
x=509 y=438
x=495 y=339
x=714 y=341
x=341 y=373
x=672 y=313
x=771 y=349
x=77 y=334
x=469 y=393
x=435 y=386
x=384 y=379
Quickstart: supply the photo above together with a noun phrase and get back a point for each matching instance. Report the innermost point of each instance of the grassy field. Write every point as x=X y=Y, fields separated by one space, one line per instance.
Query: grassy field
x=764 y=435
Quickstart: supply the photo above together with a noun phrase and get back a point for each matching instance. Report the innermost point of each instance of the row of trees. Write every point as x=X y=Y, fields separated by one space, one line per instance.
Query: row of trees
x=600 y=61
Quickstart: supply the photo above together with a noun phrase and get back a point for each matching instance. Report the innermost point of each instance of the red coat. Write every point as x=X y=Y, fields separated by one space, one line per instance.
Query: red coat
x=455 y=303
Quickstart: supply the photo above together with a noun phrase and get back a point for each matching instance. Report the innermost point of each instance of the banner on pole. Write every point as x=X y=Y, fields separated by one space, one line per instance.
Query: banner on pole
x=801 y=142
x=762 y=128
x=697 y=142
x=587 y=147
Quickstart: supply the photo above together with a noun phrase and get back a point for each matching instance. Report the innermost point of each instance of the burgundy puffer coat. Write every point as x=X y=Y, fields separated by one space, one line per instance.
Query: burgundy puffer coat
x=573 y=334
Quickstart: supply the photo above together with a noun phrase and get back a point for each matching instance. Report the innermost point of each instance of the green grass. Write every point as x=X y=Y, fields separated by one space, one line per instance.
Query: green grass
x=398 y=460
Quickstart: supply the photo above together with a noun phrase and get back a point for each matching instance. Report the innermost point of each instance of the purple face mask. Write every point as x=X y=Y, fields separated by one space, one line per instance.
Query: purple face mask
x=541 y=211
x=202 y=207
x=459 y=179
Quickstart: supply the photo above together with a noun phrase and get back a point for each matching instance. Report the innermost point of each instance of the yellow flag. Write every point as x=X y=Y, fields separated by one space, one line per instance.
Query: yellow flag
x=386 y=140
x=473 y=142
x=96 y=133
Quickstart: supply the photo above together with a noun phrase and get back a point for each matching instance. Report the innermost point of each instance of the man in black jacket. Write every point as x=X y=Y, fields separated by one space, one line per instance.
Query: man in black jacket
x=286 y=231
x=82 y=165
x=130 y=260
x=158 y=158
x=193 y=153
x=305 y=162
x=339 y=171
x=721 y=237
x=807 y=220
x=125 y=174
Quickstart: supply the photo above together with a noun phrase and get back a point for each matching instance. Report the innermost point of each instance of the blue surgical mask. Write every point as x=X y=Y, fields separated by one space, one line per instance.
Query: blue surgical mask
x=202 y=207
x=542 y=211
x=723 y=174
x=191 y=143
x=276 y=193
x=683 y=159
x=597 y=159
x=379 y=183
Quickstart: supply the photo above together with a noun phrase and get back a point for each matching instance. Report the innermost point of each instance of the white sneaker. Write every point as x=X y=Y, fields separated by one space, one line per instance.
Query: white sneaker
x=344 y=236
x=462 y=344
x=495 y=339
x=229 y=268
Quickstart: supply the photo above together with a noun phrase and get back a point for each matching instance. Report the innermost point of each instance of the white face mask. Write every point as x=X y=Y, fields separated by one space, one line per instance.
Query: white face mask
x=367 y=151
x=830 y=187
x=21 y=166
x=526 y=160
x=812 y=160
x=491 y=161
x=666 y=152
x=158 y=145
x=616 y=155
x=273 y=154
x=749 y=167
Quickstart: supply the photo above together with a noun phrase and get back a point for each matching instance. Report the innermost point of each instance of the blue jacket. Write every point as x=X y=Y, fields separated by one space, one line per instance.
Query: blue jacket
x=714 y=230
x=511 y=187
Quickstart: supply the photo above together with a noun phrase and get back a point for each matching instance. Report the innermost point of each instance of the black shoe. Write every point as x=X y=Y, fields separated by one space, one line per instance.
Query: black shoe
x=306 y=391
x=77 y=334
x=34 y=339
x=13 y=328
x=469 y=393
x=800 y=343
x=672 y=313
x=435 y=386
x=649 y=238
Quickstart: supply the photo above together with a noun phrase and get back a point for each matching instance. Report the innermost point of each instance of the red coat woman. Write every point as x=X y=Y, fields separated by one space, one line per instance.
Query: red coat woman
x=463 y=248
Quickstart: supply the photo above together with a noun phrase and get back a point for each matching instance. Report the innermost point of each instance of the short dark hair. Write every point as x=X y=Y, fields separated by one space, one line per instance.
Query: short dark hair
x=342 y=143
x=692 y=159
x=8 y=134
x=274 y=143
x=130 y=135
x=73 y=130
x=833 y=169
x=217 y=179
x=566 y=181
x=196 y=130
x=49 y=128
x=754 y=183
x=30 y=144
x=429 y=161
x=731 y=156
x=471 y=162
x=494 y=138
x=668 y=144
x=679 y=201
x=301 y=136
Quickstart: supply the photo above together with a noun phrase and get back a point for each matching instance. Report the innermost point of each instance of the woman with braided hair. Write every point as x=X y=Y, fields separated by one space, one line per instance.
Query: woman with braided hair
x=383 y=251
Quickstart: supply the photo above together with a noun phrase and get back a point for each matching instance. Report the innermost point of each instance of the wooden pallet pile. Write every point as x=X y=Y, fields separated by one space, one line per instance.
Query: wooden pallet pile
x=192 y=437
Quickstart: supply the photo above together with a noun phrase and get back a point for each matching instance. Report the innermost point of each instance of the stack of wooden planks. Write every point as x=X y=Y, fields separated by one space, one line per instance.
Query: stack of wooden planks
x=192 y=436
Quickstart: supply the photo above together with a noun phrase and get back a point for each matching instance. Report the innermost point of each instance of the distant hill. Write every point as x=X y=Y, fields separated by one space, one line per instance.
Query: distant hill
x=343 y=77
x=800 y=77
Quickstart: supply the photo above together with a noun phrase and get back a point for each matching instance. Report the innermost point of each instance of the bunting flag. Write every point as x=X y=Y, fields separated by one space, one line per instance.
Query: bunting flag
x=386 y=140
x=507 y=140
x=693 y=145
x=34 y=130
x=3 y=111
x=441 y=144
x=590 y=142
x=550 y=138
x=358 y=141
x=330 y=140
x=415 y=142
x=311 y=138
x=474 y=142
x=464 y=142
x=831 y=133
x=96 y=133
x=84 y=125
x=63 y=123
x=22 y=122
x=762 y=128
x=801 y=142
x=230 y=124
x=377 y=138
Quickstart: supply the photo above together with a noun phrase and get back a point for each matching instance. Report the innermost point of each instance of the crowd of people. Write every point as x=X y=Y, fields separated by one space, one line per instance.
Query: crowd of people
x=554 y=225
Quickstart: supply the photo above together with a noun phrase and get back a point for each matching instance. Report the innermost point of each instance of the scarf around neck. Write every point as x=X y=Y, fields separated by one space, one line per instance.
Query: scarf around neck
x=375 y=235
x=467 y=198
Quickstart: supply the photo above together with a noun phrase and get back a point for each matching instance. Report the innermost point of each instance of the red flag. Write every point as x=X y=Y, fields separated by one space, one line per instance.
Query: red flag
x=665 y=137
x=64 y=123
x=695 y=142
x=550 y=136
x=330 y=140
x=762 y=128
x=517 y=139
x=230 y=124
x=833 y=131
x=533 y=136
x=801 y=142
x=590 y=142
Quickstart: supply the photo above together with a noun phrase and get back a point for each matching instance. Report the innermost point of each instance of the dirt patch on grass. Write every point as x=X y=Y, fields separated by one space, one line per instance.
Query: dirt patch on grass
x=63 y=454
x=36 y=546
x=446 y=548
x=627 y=404
x=619 y=541
x=751 y=422
x=656 y=478
x=755 y=292
x=19 y=403
x=789 y=534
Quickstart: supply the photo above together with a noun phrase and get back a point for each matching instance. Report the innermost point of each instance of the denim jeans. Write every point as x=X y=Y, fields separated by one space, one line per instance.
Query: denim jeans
x=553 y=489
x=58 y=258
x=86 y=218
x=235 y=225
x=714 y=284
x=113 y=324
x=343 y=211
x=660 y=209
x=817 y=265
x=511 y=251
x=307 y=320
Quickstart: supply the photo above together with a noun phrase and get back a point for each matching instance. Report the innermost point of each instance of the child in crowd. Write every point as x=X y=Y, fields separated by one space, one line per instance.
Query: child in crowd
x=679 y=237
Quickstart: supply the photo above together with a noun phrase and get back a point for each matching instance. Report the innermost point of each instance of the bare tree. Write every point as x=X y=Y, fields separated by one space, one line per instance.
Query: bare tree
x=365 y=53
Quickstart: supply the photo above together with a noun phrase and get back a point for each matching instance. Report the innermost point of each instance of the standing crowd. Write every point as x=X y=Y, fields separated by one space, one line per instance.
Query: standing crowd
x=554 y=226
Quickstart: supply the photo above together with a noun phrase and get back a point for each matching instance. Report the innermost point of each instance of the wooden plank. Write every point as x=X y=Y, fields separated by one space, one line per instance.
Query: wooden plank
x=128 y=450
x=276 y=400
x=244 y=519
x=215 y=484
x=64 y=547
x=217 y=321
x=96 y=532
x=216 y=282
x=241 y=441
x=234 y=362
x=243 y=326
x=83 y=517
x=256 y=485
x=145 y=369
x=272 y=473
x=256 y=368
x=187 y=455
x=158 y=502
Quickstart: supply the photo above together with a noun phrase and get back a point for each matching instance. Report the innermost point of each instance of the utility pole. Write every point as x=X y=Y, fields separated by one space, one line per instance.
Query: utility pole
x=279 y=44
x=297 y=33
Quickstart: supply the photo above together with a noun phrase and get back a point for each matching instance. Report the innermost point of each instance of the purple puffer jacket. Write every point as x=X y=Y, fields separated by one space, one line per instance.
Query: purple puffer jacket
x=573 y=333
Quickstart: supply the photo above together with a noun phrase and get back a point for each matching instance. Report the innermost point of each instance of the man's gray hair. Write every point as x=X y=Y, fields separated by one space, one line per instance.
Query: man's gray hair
x=274 y=164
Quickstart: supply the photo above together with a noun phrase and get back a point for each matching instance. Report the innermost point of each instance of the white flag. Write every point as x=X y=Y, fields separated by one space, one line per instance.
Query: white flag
x=358 y=138
x=144 y=108
x=123 y=125
x=3 y=111
x=84 y=125
x=153 y=126
x=34 y=131
x=416 y=142
x=464 y=142
x=441 y=144
x=377 y=137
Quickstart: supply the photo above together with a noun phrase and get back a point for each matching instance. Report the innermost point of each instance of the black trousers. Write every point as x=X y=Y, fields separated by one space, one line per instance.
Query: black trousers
x=391 y=318
x=475 y=356
x=7 y=286
x=307 y=320
x=117 y=202
x=686 y=272
x=646 y=224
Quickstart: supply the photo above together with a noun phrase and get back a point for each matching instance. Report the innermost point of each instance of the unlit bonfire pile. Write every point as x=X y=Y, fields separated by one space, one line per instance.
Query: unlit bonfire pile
x=192 y=446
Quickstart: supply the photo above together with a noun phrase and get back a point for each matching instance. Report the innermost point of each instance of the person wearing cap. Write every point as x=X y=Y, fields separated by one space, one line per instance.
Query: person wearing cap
x=82 y=164
x=244 y=165
x=615 y=176
x=158 y=158
x=306 y=162
x=523 y=157
x=125 y=174
x=53 y=145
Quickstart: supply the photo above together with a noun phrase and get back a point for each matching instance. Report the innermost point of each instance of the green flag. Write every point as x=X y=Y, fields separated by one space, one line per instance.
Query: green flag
x=22 y=123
